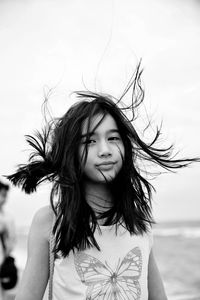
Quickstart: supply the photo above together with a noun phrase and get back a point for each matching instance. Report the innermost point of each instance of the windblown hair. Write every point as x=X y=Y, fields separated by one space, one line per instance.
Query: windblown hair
x=55 y=158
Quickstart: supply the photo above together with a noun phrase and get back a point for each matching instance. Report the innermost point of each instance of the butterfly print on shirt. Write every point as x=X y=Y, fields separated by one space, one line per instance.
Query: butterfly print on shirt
x=105 y=284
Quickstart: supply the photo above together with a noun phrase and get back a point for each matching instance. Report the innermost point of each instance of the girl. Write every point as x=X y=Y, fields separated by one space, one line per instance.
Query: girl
x=100 y=203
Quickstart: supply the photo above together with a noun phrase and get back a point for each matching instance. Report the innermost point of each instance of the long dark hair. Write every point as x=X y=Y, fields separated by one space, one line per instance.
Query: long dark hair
x=56 y=159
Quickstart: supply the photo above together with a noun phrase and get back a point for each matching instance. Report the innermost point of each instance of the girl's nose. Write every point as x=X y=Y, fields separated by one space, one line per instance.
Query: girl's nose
x=104 y=149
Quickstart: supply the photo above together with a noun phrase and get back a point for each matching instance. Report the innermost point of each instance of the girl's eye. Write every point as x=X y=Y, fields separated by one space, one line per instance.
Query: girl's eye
x=114 y=138
x=89 y=142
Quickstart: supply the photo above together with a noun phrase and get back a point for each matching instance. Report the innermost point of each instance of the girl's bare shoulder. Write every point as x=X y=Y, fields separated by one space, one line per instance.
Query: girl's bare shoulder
x=43 y=221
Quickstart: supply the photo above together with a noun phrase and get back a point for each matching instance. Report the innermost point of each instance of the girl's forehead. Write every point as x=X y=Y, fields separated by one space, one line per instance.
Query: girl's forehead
x=99 y=121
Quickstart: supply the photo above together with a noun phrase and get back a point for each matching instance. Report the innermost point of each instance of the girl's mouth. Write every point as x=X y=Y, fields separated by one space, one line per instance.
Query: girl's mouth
x=105 y=166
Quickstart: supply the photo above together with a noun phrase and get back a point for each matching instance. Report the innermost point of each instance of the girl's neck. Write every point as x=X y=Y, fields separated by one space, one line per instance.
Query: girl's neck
x=98 y=196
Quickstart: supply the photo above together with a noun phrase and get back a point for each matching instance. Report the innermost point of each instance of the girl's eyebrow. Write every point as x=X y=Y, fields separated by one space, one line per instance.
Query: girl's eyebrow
x=93 y=132
x=113 y=130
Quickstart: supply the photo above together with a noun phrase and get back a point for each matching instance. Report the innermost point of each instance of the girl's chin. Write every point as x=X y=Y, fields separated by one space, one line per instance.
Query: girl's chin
x=105 y=177
x=102 y=180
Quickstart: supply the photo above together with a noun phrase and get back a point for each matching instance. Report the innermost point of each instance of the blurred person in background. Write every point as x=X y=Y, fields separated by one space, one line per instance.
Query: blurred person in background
x=7 y=230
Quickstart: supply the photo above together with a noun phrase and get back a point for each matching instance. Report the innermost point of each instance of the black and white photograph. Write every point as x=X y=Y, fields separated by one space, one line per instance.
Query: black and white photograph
x=100 y=150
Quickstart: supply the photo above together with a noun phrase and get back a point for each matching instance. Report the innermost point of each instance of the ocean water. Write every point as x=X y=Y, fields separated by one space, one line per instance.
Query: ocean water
x=177 y=251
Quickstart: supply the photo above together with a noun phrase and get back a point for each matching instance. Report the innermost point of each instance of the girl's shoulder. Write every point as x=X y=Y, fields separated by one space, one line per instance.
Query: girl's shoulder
x=45 y=214
x=43 y=221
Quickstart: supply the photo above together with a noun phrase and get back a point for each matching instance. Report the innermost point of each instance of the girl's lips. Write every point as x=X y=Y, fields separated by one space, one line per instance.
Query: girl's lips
x=105 y=166
x=106 y=163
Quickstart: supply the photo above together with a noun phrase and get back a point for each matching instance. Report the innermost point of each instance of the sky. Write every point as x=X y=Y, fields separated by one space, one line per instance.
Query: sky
x=63 y=46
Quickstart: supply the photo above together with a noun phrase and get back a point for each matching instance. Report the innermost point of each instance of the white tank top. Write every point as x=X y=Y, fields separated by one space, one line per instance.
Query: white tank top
x=117 y=272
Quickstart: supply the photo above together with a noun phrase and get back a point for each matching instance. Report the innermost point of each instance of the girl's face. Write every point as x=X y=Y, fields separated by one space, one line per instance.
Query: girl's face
x=105 y=149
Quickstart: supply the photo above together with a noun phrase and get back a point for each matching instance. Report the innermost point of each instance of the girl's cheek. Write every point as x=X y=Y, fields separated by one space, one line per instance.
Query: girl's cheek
x=121 y=150
x=81 y=153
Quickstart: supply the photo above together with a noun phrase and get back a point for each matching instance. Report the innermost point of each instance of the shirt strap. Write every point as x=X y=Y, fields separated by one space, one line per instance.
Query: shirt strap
x=51 y=260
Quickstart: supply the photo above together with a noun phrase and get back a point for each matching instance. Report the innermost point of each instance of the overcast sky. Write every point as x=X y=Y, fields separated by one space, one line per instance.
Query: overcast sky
x=66 y=45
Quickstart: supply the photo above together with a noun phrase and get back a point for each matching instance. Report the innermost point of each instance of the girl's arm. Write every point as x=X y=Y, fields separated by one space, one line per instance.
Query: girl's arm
x=36 y=273
x=155 y=284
